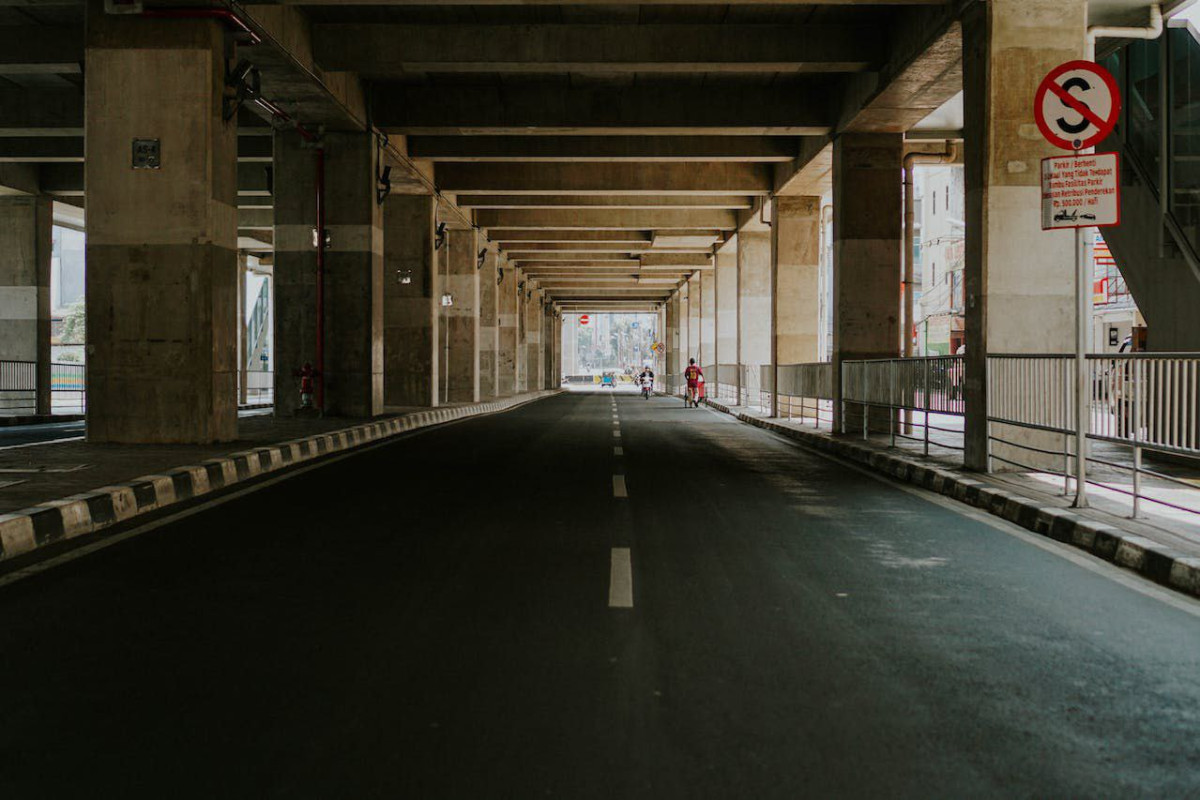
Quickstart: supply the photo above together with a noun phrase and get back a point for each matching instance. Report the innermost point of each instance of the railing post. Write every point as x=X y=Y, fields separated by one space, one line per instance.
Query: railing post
x=866 y=409
x=892 y=381
x=925 y=391
x=1137 y=432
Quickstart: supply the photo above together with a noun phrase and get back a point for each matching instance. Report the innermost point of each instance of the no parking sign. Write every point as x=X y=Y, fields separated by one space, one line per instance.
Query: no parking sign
x=1077 y=105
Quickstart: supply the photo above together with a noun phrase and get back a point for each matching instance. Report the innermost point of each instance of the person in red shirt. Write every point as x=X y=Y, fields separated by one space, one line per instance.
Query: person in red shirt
x=692 y=375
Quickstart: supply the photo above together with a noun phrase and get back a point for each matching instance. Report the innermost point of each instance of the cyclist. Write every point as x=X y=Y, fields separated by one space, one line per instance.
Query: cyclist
x=693 y=375
x=646 y=380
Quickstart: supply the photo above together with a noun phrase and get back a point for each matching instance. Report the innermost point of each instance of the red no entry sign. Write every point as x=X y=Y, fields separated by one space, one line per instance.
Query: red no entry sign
x=584 y=319
x=1076 y=105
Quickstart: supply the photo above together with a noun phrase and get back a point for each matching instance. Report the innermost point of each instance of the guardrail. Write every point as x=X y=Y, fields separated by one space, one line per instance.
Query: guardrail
x=1143 y=401
x=18 y=387
x=808 y=389
x=930 y=385
x=260 y=386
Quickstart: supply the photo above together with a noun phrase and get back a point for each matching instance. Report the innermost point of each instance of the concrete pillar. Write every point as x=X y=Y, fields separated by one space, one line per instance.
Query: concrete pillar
x=535 y=355
x=795 y=259
x=1019 y=279
x=708 y=322
x=26 y=241
x=353 y=319
x=695 y=304
x=523 y=289
x=489 y=328
x=161 y=240
x=548 y=328
x=462 y=318
x=727 y=307
x=411 y=297
x=570 y=352
x=506 y=372
x=868 y=233
x=754 y=305
x=242 y=344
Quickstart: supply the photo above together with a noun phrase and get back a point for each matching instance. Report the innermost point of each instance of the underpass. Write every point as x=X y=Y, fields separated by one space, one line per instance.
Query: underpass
x=793 y=626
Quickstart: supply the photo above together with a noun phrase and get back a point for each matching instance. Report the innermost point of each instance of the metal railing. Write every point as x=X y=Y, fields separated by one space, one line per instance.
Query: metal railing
x=18 y=387
x=1143 y=401
x=931 y=386
x=260 y=387
x=806 y=391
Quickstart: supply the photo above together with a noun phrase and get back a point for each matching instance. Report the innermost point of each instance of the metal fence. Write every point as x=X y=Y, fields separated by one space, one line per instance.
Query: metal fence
x=260 y=387
x=931 y=386
x=806 y=392
x=18 y=388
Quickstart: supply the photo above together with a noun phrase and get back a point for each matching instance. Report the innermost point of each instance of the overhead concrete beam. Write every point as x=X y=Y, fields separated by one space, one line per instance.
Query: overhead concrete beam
x=535 y=257
x=389 y=51
x=605 y=179
x=559 y=2
x=34 y=49
x=41 y=112
x=604 y=148
x=666 y=108
x=69 y=149
x=600 y=201
x=67 y=179
x=559 y=236
x=606 y=219
x=694 y=260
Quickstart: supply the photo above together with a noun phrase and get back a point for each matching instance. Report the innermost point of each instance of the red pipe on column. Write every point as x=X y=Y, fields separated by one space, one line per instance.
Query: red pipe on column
x=320 y=280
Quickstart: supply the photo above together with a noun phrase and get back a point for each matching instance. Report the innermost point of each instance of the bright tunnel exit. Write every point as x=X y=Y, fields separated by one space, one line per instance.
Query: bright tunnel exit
x=607 y=350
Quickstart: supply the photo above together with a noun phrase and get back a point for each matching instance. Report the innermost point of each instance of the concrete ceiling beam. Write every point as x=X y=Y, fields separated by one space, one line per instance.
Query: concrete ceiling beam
x=602 y=201
x=559 y=236
x=696 y=260
x=605 y=179
x=553 y=149
x=41 y=112
x=607 y=219
x=69 y=149
x=384 y=51
x=648 y=108
x=335 y=3
x=35 y=49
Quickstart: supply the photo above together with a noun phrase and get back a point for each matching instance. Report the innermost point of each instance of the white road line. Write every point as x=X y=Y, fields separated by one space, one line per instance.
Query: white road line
x=616 y=434
x=619 y=489
x=620 y=579
x=618 y=451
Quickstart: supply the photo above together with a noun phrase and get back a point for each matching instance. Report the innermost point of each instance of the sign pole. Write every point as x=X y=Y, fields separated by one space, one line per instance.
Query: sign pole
x=1082 y=289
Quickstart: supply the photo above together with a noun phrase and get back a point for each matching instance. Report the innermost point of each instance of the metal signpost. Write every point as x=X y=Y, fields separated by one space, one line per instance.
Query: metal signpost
x=1076 y=106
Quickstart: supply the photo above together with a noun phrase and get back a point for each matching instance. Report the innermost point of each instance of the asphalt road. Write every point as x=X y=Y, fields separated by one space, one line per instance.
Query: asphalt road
x=435 y=618
x=20 y=435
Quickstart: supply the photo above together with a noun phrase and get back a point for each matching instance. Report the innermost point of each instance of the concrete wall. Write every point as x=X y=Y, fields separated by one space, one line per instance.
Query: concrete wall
x=411 y=352
x=161 y=243
x=462 y=318
x=25 y=245
x=1019 y=279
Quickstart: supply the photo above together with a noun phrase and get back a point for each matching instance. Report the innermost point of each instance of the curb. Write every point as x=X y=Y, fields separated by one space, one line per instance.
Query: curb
x=46 y=523
x=1147 y=558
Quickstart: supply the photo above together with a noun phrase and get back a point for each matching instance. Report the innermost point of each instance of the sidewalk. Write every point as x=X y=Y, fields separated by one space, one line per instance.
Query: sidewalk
x=1162 y=544
x=60 y=490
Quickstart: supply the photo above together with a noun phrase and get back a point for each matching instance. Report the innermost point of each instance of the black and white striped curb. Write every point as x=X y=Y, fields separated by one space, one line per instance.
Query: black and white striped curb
x=30 y=528
x=1150 y=559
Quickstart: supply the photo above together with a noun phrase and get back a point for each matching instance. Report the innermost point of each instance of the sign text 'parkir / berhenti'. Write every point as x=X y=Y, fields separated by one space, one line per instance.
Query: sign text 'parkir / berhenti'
x=1080 y=191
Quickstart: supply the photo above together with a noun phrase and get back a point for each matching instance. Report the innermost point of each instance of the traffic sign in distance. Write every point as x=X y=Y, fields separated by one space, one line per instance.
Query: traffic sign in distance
x=1076 y=105
x=584 y=319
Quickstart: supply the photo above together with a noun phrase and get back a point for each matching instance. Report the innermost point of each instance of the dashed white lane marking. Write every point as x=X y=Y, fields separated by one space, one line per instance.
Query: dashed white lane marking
x=618 y=451
x=619 y=489
x=620 y=579
x=617 y=434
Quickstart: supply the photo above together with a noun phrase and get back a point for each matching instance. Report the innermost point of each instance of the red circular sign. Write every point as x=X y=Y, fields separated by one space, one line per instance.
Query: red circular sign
x=1077 y=105
x=584 y=319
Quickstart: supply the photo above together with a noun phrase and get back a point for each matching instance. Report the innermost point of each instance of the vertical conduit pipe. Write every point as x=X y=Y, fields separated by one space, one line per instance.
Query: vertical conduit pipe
x=320 y=165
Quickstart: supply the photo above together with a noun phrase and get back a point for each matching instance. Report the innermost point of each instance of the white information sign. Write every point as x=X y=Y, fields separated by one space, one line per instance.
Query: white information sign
x=1081 y=191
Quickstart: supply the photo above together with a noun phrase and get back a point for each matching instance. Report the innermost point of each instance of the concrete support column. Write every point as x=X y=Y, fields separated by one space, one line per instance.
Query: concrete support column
x=25 y=244
x=695 y=304
x=674 y=333
x=535 y=355
x=548 y=328
x=795 y=271
x=524 y=287
x=727 y=308
x=411 y=297
x=754 y=305
x=708 y=323
x=570 y=350
x=161 y=239
x=353 y=319
x=868 y=236
x=489 y=328
x=242 y=344
x=462 y=318
x=1019 y=279
x=506 y=316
